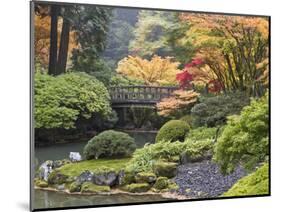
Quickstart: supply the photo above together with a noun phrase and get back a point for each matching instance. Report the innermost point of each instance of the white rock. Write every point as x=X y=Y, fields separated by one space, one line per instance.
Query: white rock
x=45 y=169
x=75 y=156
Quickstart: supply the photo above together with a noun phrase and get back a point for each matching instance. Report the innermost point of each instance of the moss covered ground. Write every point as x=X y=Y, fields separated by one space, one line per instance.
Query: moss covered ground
x=75 y=169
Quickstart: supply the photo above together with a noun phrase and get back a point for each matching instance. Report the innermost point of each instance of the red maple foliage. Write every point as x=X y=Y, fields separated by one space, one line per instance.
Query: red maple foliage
x=215 y=86
x=185 y=77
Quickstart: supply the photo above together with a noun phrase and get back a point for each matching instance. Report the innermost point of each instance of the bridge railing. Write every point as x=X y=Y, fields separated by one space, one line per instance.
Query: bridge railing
x=140 y=93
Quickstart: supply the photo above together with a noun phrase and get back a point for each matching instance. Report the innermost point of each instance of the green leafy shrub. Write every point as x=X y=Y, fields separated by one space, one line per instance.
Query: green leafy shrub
x=188 y=119
x=174 y=130
x=213 y=110
x=202 y=133
x=198 y=150
x=144 y=158
x=256 y=183
x=60 y=101
x=165 y=169
x=108 y=144
x=245 y=138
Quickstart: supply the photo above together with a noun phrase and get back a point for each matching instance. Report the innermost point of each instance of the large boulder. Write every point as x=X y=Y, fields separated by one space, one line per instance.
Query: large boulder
x=107 y=177
x=45 y=170
x=75 y=156
x=88 y=187
x=137 y=187
x=161 y=183
x=145 y=177
x=75 y=187
x=126 y=177
x=56 y=177
x=41 y=183
x=165 y=169
x=85 y=176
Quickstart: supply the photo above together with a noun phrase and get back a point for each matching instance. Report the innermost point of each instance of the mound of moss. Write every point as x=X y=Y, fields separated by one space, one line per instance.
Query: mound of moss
x=110 y=144
x=256 y=183
x=174 y=130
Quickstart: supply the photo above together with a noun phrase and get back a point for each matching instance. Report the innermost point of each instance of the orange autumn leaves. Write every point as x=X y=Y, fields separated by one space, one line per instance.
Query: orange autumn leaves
x=42 y=39
x=232 y=47
x=180 y=99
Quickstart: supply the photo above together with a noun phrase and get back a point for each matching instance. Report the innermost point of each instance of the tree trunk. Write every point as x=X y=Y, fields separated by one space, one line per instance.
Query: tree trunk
x=64 y=43
x=53 y=39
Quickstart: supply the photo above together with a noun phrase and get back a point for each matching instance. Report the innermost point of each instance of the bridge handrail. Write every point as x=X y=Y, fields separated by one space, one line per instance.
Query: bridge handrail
x=143 y=93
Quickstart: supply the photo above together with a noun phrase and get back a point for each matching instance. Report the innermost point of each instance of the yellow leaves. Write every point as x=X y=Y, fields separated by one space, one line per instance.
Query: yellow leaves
x=157 y=71
x=180 y=99
x=264 y=67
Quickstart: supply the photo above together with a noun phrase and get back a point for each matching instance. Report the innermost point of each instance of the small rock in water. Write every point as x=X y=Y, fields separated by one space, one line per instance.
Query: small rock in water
x=45 y=169
x=75 y=156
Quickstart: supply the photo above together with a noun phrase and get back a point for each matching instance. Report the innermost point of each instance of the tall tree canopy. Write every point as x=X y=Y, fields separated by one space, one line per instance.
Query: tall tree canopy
x=150 y=34
x=73 y=30
x=231 y=47
x=157 y=71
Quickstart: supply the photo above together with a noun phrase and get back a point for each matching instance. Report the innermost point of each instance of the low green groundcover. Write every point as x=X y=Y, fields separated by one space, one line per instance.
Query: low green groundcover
x=75 y=169
x=253 y=184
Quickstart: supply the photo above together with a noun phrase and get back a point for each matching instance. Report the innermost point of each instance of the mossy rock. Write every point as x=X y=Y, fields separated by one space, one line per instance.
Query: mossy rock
x=174 y=159
x=137 y=187
x=126 y=177
x=145 y=177
x=161 y=183
x=75 y=187
x=88 y=187
x=105 y=176
x=41 y=183
x=165 y=169
x=56 y=177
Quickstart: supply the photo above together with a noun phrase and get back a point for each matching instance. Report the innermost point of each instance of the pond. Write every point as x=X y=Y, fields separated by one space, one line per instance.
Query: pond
x=51 y=199
x=61 y=151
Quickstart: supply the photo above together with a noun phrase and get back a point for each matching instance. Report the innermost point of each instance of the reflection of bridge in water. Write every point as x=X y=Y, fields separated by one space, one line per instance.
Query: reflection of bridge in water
x=125 y=97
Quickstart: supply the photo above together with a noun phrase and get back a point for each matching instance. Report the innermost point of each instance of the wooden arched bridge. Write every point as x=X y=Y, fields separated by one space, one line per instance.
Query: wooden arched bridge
x=139 y=96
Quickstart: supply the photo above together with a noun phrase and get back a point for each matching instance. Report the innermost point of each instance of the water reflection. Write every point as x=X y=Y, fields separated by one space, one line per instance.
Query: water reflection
x=51 y=199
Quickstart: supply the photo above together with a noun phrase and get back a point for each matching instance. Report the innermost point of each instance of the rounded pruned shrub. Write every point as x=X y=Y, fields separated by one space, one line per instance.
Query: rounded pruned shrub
x=174 y=130
x=109 y=144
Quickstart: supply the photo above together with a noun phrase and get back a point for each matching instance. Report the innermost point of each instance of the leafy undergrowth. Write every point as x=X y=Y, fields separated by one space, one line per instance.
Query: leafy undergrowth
x=253 y=184
x=75 y=169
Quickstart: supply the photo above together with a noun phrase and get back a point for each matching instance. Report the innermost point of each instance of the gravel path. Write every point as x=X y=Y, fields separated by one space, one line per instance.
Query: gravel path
x=204 y=180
